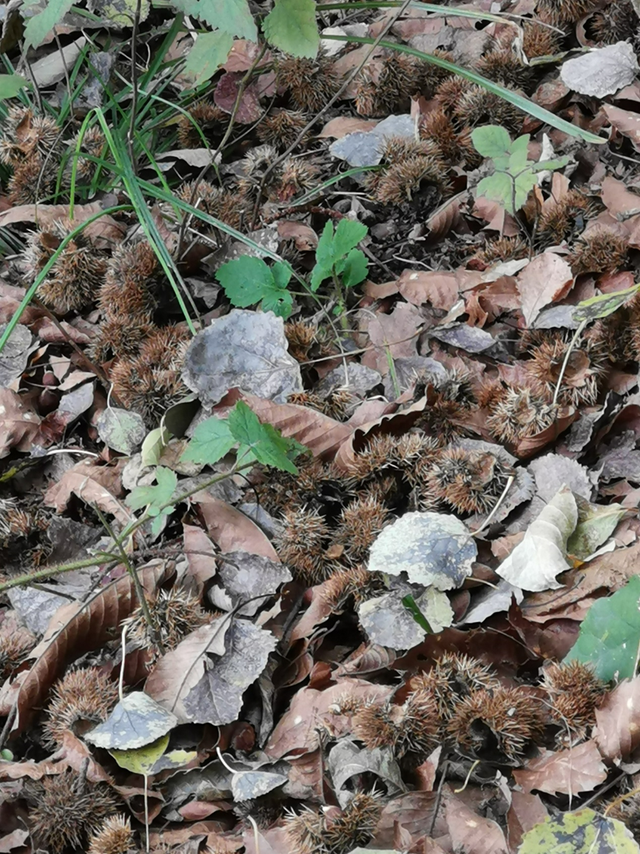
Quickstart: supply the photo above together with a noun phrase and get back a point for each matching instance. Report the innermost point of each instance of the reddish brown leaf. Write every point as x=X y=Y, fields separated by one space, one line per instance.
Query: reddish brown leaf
x=525 y=812
x=445 y=218
x=470 y=831
x=439 y=289
x=342 y=125
x=104 y=230
x=305 y=238
x=226 y=94
x=532 y=444
x=625 y=122
x=77 y=628
x=231 y=529
x=93 y=484
x=18 y=423
x=566 y=772
x=617 y=730
x=544 y=280
x=393 y=336
x=200 y=555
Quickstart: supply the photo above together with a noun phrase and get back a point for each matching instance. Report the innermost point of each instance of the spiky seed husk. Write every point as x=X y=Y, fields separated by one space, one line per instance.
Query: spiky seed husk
x=562 y=219
x=128 y=287
x=469 y=481
x=207 y=116
x=355 y=826
x=121 y=337
x=566 y=11
x=519 y=413
x=496 y=723
x=627 y=811
x=30 y=181
x=453 y=677
x=575 y=692
x=504 y=66
x=583 y=375
x=230 y=206
x=74 y=280
x=539 y=40
x=114 y=837
x=67 y=811
x=360 y=523
x=410 y=728
x=281 y=128
x=301 y=336
x=599 y=251
x=450 y=91
x=293 y=177
x=614 y=23
x=400 y=76
x=477 y=106
x=81 y=697
x=354 y=584
x=175 y=614
x=92 y=143
x=305 y=832
x=14 y=646
x=499 y=249
x=311 y=83
x=301 y=545
x=264 y=811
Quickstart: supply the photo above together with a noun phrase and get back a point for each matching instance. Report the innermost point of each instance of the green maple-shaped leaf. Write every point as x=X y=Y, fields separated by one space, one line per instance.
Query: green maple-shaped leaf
x=211 y=441
x=249 y=281
x=261 y=441
x=154 y=497
x=230 y=16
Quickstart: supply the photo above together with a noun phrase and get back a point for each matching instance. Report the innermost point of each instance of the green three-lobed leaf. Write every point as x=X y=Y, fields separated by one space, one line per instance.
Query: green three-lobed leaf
x=250 y=281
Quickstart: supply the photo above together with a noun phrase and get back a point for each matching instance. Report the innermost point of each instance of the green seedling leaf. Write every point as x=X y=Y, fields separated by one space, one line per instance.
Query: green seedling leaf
x=596 y=523
x=261 y=441
x=207 y=55
x=335 y=253
x=248 y=281
x=524 y=183
x=324 y=257
x=602 y=305
x=518 y=159
x=212 y=440
x=348 y=234
x=581 y=832
x=549 y=165
x=609 y=636
x=154 y=497
x=230 y=16
x=142 y=759
x=493 y=141
x=291 y=26
x=354 y=268
x=41 y=24
x=10 y=85
x=498 y=188
x=136 y=721
x=410 y=604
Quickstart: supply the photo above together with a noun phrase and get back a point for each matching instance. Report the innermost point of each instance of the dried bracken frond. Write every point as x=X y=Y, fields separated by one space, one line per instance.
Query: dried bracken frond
x=614 y=23
x=453 y=677
x=575 y=692
x=599 y=251
x=519 y=413
x=175 y=614
x=564 y=219
x=311 y=83
x=81 y=699
x=410 y=728
x=539 y=40
x=151 y=382
x=114 y=837
x=281 y=128
x=207 y=117
x=360 y=523
x=477 y=106
x=301 y=545
x=583 y=374
x=496 y=724
x=68 y=810
x=73 y=282
x=355 y=584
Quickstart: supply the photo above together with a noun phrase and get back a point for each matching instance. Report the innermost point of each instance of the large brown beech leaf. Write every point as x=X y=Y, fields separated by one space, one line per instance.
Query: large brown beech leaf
x=78 y=628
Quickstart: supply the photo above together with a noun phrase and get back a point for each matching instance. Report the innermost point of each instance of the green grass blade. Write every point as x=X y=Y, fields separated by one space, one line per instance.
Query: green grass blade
x=31 y=292
x=512 y=97
x=449 y=11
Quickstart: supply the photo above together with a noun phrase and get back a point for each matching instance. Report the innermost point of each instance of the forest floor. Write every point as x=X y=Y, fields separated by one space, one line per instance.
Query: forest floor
x=319 y=415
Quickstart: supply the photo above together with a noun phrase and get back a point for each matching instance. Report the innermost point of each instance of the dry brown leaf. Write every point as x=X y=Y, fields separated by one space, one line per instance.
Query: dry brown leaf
x=625 y=122
x=297 y=730
x=180 y=669
x=525 y=812
x=305 y=238
x=18 y=423
x=419 y=287
x=544 y=280
x=445 y=218
x=619 y=201
x=617 y=731
x=469 y=831
x=200 y=554
x=566 y=772
x=342 y=125
x=93 y=484
x=80 y=627
x=392 y=336
x=231 y=529
x=321 y=434
x=532 y=444
x=104 y=230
